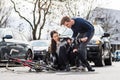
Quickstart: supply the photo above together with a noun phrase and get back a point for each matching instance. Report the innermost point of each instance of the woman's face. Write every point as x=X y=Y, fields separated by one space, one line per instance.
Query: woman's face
x=56 y=37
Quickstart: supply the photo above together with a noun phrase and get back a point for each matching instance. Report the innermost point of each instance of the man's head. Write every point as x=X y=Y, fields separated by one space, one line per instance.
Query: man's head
x=66 y=21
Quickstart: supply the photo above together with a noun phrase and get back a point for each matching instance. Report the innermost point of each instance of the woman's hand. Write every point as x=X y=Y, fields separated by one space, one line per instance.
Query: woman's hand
x=75 y=50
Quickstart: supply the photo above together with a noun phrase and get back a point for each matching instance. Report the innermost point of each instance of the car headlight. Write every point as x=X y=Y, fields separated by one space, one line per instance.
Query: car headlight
x=97 y=42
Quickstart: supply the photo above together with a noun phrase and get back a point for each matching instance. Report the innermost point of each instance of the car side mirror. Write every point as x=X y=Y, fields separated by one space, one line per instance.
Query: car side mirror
x=7 y=37
x=106 y=35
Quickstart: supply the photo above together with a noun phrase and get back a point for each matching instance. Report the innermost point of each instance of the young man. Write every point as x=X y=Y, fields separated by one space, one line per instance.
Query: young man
x=86 y=30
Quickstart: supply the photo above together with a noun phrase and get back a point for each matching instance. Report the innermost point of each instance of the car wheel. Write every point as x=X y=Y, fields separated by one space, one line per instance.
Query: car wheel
x=99 y=62
x=47 y=58
x=29 y=55
x=109 y=60
x=0 y=55
x=108 y=54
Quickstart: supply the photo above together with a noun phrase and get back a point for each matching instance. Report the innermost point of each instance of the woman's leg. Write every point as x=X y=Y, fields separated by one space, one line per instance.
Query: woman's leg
x=63 y=58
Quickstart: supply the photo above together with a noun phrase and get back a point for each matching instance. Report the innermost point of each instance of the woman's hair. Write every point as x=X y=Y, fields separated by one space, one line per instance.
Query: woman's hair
x=53 y=43
x=52 y=33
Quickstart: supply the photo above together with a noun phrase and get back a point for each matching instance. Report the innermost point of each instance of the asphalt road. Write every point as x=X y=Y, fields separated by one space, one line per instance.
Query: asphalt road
x=101 y=73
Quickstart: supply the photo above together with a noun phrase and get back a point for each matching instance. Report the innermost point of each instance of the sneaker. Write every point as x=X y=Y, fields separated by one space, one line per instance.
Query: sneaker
x=91 y=70
x=81 y=68
x=67 y=68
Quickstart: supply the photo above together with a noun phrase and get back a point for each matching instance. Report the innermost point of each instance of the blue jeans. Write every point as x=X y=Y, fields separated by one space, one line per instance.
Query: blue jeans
x=82 y=52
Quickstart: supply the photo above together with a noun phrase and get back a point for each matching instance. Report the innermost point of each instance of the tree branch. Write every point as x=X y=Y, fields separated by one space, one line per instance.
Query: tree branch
x=44 y=18
x=34 y=20
x=69 y=9
x=21 y=15
x=39 y=13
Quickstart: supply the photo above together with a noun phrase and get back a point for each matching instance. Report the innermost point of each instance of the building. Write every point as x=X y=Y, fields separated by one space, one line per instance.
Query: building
x=109 y=19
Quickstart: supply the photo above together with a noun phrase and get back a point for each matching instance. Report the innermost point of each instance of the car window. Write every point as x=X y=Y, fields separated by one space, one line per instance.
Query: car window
x=38 y=43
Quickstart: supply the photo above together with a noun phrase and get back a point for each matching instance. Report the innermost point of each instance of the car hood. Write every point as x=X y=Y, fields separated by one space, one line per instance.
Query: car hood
x=96 y=37
x=40 y=48
x=16 y=41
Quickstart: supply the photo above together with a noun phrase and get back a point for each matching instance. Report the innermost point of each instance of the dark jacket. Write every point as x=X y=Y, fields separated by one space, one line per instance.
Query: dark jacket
x=82 y=26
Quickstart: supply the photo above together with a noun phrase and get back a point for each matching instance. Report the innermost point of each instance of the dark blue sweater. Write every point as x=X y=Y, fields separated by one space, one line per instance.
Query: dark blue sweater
x=82 y=26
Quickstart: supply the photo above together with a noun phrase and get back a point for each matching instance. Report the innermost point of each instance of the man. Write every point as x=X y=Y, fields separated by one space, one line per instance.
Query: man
x=86 y=30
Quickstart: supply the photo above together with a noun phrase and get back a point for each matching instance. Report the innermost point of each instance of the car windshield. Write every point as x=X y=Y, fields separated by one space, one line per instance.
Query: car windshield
x=14 y=33
x=39 y=43
x=98 y=30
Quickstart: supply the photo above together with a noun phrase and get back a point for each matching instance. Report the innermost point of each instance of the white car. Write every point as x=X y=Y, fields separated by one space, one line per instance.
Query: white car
x=37 y=49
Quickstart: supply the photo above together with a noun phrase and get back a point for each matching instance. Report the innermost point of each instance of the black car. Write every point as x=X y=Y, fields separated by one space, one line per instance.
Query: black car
x=99 y=48
x=15 y=48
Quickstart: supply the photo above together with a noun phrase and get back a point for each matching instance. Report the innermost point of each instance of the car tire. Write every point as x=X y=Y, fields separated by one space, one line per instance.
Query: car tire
x=29 y=55
x=107 y=52
x=99 y=62
x=109 y=60
x=0 y=55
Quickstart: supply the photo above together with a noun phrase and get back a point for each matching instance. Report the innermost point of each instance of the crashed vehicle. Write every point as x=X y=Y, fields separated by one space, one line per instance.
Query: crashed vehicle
x=99 y=48
x=15 y=48
x=13 y=43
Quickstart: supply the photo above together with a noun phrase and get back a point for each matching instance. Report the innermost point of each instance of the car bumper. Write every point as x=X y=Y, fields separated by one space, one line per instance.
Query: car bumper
x=39 y=55
x=92 y=51
x=93 y=48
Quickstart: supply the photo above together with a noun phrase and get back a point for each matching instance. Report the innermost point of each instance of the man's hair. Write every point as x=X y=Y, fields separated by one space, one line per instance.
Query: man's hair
x=64 y=19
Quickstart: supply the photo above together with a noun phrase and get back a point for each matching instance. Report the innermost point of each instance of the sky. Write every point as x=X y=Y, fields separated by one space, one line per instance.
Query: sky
x=112 y=4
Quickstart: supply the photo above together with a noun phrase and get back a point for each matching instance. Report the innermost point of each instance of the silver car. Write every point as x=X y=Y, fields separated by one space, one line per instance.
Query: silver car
x=37 y=49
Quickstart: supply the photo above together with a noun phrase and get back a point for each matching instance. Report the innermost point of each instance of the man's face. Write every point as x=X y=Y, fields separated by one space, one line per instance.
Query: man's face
x=68 y=24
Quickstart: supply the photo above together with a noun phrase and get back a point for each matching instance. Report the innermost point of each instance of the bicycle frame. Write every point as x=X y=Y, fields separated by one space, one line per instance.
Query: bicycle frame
x=38 y=66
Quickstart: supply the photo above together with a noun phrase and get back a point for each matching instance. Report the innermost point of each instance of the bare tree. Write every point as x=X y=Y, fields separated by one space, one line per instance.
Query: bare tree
x=104 y=18
x=80 y=7
x=4 y=14
x=72 y=8
x=40 y=11
x=106 y=22
x=90 y=8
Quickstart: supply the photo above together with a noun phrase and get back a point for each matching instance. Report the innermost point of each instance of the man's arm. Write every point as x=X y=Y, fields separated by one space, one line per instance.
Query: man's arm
x=74 y=34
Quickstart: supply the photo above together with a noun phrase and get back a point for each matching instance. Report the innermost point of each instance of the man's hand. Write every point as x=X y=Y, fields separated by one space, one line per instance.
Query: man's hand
x=75 y=50
x=84 y=39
